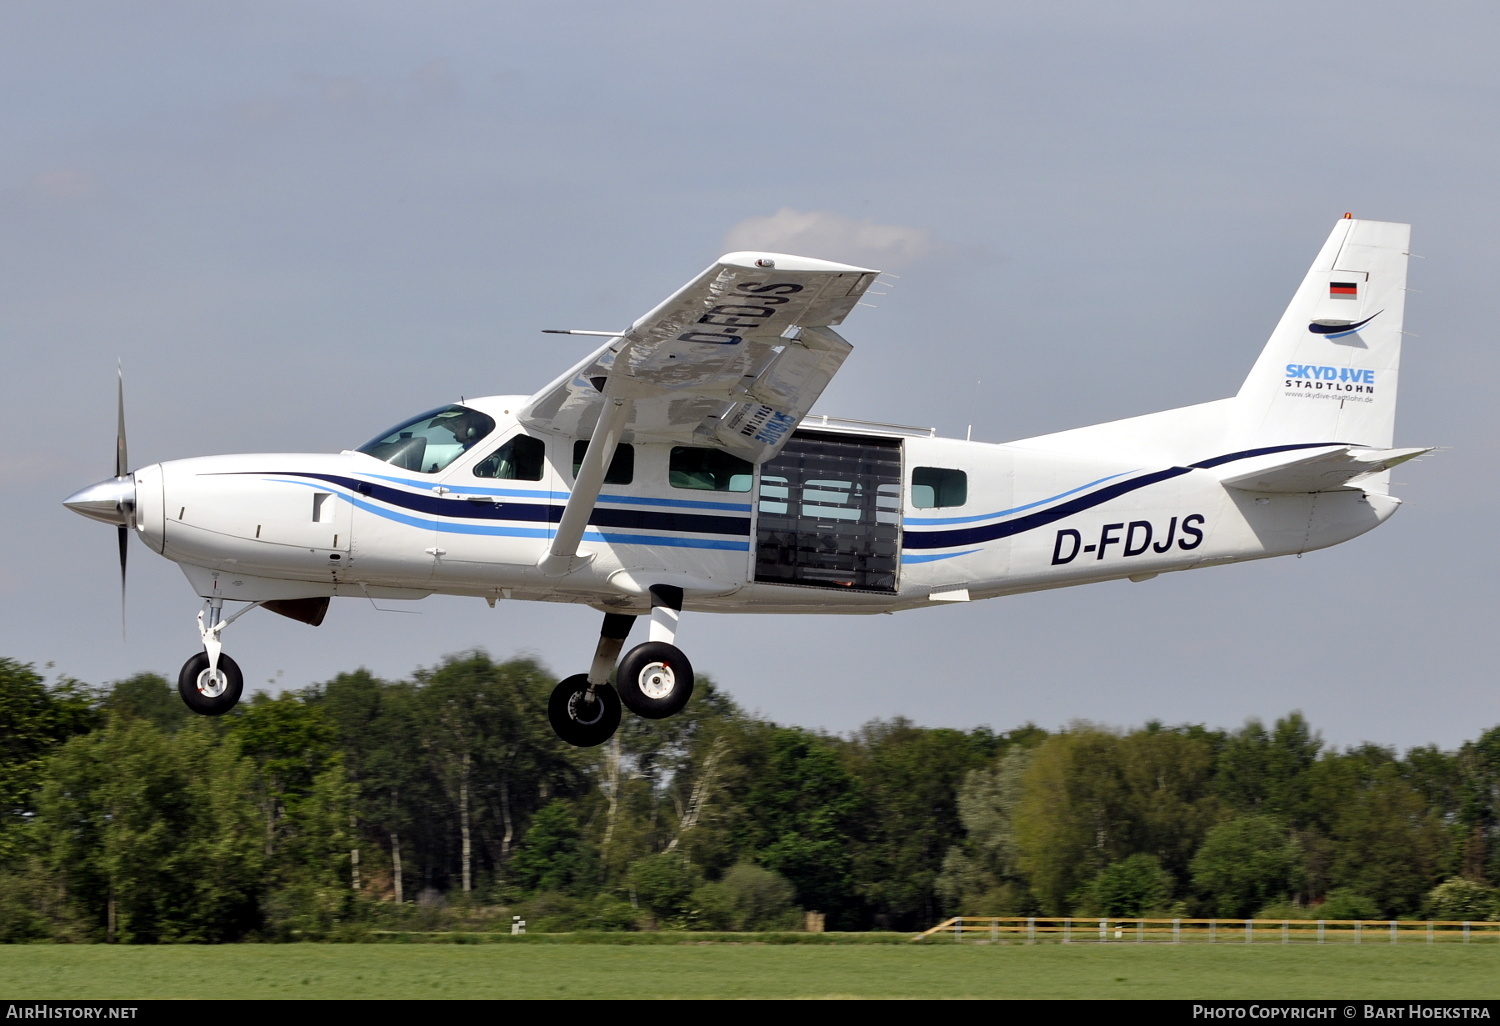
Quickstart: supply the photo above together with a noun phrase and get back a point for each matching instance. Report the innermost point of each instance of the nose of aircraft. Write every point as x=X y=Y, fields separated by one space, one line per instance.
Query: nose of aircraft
x=111 y=501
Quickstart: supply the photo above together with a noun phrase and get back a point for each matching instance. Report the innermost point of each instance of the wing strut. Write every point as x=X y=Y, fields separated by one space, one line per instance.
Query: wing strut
x=562 y=556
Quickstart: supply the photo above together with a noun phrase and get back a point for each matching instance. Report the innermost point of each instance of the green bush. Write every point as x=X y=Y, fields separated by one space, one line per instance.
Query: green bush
x=1134 y=886
x=1346 y=904
x=553 y=912
x=305 y=910
x=748 y=897
x=664 y=884
x=32 y=908
x=1247 y=863
x=714 y=908
x=553 y=855
x=612 y=914
x=1458 y=900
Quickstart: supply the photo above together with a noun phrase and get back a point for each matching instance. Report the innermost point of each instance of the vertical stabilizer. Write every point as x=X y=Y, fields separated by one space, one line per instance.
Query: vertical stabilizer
x=1328 y=373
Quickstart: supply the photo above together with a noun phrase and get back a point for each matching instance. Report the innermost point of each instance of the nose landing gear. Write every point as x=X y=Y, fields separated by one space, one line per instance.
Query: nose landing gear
x=211 y=683
x=655 y=679
x=582 y=714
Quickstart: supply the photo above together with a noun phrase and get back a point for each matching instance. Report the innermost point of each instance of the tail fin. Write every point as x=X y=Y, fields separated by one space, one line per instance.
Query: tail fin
x=1328 y=373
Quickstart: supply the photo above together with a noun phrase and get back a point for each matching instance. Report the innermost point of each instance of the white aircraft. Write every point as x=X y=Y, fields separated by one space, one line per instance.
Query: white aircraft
x=676 y=468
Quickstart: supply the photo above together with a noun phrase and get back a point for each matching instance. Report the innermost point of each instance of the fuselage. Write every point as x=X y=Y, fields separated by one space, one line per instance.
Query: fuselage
x=849 y=518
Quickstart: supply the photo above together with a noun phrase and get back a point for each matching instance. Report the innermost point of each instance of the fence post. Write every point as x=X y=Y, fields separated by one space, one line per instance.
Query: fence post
x=1213 y=930
x=958 y=927
x=994 y=930
x=1393 y=931
x=1249 y=927
x=1177 y=931
x=1140 y=931
x=1103 y=931
x=1286 y=931
x=1067 y=931
x=1320 y=931
x=1429 y=931
x=1466 y=931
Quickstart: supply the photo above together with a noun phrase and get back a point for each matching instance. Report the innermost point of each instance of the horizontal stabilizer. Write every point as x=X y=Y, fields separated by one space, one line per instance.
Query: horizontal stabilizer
x=1325 y=470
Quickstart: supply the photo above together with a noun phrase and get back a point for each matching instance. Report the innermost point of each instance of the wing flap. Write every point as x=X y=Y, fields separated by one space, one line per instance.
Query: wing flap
x=744 y=344
x=1324 y=471
x=781 y=394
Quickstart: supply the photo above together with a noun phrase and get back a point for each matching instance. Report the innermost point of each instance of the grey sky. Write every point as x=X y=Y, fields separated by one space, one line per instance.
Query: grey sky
x=300 y=222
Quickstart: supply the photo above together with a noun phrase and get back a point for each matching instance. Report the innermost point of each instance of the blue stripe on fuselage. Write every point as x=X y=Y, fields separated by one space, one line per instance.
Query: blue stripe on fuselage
x=991 y=532
x=433 y=512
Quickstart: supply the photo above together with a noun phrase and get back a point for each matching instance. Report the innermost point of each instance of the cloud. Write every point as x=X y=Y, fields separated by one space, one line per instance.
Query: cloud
x=830 y=236
x=66 y=184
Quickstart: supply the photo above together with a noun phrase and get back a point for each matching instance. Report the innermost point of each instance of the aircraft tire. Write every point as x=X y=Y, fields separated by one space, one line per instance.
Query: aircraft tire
x=573 y=720
x=193 y=685
x=655 y=680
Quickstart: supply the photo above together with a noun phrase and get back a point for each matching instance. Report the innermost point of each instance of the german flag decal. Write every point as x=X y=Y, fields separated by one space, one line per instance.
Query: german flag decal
x=1343 y=290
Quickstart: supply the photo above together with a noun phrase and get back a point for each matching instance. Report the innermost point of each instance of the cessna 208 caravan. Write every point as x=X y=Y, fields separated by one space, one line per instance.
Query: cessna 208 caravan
x=676 y=469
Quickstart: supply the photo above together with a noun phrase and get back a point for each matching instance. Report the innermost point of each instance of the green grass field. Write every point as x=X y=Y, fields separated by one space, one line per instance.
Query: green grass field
x=748 y=971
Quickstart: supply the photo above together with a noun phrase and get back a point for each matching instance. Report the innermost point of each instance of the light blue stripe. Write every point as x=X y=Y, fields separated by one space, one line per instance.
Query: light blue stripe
x=929 y=559
x=938 y=521
x=497 y=531
x=671 y=541
x=532 y=493
x=634 y=500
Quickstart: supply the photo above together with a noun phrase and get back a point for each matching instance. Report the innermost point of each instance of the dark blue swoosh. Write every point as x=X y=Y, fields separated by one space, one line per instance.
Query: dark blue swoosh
x=979 y=535
x=1342 y=329
x=534 y=512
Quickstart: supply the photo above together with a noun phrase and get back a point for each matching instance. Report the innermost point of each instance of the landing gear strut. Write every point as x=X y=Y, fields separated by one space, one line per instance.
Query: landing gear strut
x=210 y=683
x=655 y=678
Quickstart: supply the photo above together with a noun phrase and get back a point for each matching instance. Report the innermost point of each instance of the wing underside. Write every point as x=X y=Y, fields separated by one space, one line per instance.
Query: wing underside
x=735 y=359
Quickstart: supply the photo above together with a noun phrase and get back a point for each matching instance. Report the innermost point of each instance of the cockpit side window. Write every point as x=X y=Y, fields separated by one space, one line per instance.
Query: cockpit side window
x=519 y=459
x=428 y=443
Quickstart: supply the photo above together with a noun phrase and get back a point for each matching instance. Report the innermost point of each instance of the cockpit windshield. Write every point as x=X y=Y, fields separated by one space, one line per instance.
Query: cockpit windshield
x=428 y=443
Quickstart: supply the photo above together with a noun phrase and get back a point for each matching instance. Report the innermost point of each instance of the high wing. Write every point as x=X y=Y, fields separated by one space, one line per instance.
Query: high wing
x=734 y=359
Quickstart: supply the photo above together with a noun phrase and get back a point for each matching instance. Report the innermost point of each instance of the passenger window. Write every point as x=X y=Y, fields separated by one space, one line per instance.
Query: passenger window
x=831 y=500
x=933 y=488
x=621 y=467
x=712 y=470
x=519 y=459
x=774 y=492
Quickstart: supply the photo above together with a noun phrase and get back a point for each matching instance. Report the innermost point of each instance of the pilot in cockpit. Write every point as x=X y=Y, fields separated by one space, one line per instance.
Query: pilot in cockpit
x=428 y=443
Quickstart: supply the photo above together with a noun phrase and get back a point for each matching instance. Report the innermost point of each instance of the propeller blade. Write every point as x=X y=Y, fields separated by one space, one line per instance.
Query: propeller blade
x=123 y=533
x=122 y=468
x=122 y=459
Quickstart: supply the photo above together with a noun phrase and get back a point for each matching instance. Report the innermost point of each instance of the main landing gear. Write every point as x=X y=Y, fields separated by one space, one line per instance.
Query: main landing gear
x=655 y=679
x=211 y=682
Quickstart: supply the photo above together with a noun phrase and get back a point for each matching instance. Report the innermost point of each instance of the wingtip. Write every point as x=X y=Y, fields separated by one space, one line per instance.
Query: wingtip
x=788 y=262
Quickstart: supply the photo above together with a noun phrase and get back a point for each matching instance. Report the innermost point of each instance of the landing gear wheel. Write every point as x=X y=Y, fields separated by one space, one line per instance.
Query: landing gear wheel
x=578 y=721
x=655 y=680
x=210 y=694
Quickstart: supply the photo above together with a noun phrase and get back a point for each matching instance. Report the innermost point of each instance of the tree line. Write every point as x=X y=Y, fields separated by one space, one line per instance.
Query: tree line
x=445 y=799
